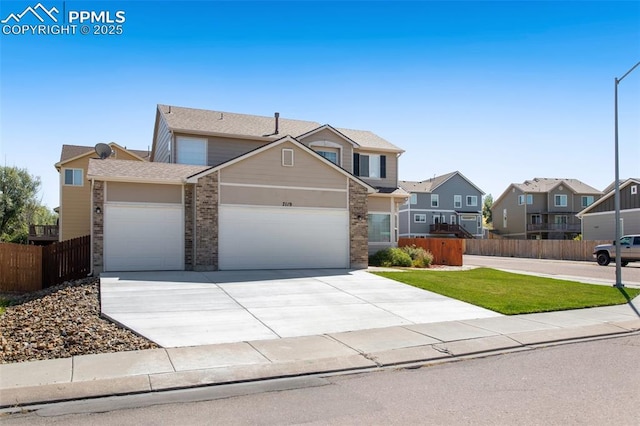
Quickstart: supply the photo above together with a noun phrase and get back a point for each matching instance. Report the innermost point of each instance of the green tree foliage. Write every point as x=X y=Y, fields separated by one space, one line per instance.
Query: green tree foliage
x=486 y=209
x=19 y=206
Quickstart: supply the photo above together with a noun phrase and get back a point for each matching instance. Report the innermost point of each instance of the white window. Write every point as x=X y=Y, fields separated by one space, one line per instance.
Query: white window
x=587 y=200
x=521 y=199
x=634 y=189
x=379 y=227
x=452 y=219
x=73 y=177
x=560 y=200
x=420 y=218
x=370 y=165
x=561 y=220
x=414 y=198
x=504 y=218
x=437 y=219
x=536 y=219
x=191 y=151
x=472 y=200
x=435 y=200
x=457 y=201
x=287 y=157
x=329 y=155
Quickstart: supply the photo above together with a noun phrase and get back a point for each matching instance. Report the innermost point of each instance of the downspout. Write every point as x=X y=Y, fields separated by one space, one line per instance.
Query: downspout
x=91 y=236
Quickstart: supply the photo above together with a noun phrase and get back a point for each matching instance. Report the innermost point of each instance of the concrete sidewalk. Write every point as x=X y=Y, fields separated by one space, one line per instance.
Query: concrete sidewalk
x=90 y=376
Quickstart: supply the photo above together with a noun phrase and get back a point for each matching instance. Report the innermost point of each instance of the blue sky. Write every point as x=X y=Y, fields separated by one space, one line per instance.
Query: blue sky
x=501 y=91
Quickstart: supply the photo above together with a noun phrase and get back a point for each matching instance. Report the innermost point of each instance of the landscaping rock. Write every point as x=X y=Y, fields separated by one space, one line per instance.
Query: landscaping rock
x=60 y=322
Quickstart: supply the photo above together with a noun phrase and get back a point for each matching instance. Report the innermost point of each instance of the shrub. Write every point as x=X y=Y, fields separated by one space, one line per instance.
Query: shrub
x=391 y=257
x=420 y=258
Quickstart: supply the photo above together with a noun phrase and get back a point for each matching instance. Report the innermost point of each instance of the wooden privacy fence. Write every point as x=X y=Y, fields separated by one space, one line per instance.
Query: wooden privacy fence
x=445 y=251
x=533 y=249
x=29 y=268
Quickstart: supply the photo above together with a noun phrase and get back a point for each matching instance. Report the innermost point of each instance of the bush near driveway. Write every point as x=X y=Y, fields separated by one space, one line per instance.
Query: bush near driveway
x=408 y=256
x=512 y=294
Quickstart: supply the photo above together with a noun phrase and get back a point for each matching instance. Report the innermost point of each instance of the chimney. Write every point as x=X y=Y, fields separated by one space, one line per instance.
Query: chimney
x=277 y=117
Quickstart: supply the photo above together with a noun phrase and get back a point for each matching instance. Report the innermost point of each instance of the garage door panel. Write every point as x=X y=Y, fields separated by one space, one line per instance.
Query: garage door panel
x=143 y=237
x=280 y=238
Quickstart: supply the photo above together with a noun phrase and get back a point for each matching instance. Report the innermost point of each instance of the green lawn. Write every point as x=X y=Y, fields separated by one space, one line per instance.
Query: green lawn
x=513 y=294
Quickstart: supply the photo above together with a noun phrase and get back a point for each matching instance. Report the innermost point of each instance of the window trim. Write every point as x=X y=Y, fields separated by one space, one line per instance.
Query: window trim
x=634 y=189
x=457 y=201
x=527 y=197
x=320 y=152
x=586 y=197
x=73 y=177
x=413 y=199
x=475 y=204
x=555 y=200
x=382 y=165
x=390 y=231
x=284 y=162
x=436 y=198
x=423 y=217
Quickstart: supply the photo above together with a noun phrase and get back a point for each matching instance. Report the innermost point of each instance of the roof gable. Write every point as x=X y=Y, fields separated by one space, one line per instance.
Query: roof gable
x=287 y=139
x=430 y=185
x=73 y=152
x=332 y=130
x=608 y=195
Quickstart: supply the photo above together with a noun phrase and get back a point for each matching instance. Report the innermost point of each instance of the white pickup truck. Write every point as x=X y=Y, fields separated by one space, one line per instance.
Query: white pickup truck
x=629 y=251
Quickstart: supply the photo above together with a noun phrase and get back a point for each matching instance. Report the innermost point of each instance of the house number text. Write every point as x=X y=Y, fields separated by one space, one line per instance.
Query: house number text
x=287 y=204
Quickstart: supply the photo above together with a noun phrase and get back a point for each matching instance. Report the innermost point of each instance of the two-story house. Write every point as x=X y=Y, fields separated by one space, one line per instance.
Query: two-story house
x=237 y=191
x=447 y=204
x=75 y=192
x=598 y=219
x=542 y=208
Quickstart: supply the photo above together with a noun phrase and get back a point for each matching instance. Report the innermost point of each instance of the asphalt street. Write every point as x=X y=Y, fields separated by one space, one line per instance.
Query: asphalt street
x=594 y=383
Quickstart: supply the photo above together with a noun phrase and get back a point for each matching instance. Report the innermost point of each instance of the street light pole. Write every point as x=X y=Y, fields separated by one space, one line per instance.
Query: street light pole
x=617 y=182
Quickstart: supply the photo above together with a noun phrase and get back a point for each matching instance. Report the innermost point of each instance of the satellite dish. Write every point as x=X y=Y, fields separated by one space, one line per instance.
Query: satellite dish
x=103 y=150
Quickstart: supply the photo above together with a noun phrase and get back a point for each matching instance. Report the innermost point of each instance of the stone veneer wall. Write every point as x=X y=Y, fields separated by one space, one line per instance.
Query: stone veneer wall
x=98 y=228
x=188 y=227
x=206 y=229
x=358 y=226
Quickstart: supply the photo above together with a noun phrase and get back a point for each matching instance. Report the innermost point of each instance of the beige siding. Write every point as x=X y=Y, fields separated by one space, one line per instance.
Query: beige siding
x=267 y=168
x=144 y=192
x=220 y=150
x=379 y=204
x=515 y=214
x=75 y=205
x=162 y=152
x=346 y=161
x=391 y=181
x=282 y=197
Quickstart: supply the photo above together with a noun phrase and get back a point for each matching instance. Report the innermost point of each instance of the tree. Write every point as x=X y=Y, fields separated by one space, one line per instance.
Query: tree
x=19 y=206
x=486 y=209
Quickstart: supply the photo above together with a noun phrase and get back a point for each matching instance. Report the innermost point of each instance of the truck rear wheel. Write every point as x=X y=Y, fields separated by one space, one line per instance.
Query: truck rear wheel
x=603 y=259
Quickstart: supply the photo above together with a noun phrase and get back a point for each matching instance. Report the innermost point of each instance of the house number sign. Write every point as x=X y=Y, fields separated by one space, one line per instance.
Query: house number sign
x=287 y=204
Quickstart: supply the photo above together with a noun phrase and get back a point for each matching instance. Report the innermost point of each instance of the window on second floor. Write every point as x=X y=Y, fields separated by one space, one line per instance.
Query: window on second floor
x=370 y=165
x=73 y=177
x=457 y=201
x=414 y=199
x=329 y=155
x=472 y=200
x=191 y=150
x=587 y=200
x=560 y=200
x=435 y=200
x=521 y=198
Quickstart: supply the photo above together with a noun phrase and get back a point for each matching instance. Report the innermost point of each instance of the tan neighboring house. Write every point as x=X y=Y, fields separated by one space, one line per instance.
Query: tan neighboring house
x=598 y=219
x=75 y=190
x=542 y=208
x=235 y=191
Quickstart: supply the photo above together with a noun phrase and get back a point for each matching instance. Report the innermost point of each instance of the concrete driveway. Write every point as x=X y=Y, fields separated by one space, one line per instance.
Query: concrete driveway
x=177 y=309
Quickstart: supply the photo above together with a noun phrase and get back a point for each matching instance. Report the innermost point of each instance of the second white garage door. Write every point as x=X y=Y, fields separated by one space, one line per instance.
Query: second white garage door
x=257 y=237
x=143 y=237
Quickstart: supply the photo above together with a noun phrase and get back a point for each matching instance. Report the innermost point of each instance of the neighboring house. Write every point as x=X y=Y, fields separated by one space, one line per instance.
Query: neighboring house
x=75 y=192
x=447 y=204
x=542 y=208
x=598 y=219
x=236 y=191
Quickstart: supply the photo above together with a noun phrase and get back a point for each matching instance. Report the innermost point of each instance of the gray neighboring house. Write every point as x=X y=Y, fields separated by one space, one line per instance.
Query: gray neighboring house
x=447 y=204
x=542 y=208
x=598 y=220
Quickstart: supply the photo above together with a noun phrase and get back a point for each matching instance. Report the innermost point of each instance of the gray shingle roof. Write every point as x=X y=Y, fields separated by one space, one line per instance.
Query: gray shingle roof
x=425 y=185
x=547 y=184
x=132 y=171
x=71 y=151
x=254 y=126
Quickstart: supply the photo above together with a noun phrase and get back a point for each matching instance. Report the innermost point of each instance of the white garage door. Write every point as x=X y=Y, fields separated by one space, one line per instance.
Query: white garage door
x=260 y=237
x=143 y=237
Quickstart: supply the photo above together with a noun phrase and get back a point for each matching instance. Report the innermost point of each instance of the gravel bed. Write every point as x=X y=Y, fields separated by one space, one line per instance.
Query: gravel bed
x=60 y=322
